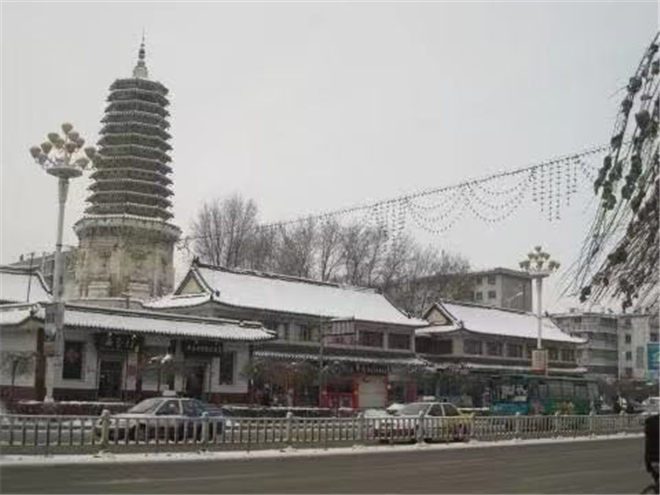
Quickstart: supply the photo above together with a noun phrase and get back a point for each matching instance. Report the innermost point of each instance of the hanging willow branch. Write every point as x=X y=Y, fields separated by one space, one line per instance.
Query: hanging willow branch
x=619 y=257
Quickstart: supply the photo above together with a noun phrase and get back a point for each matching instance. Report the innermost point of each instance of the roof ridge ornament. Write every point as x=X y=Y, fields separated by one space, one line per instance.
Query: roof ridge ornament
x=140 y=71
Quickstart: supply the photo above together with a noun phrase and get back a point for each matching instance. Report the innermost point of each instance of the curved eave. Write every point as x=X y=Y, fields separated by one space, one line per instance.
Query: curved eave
x=137 y=82
x=124 y=196
x=130 y=209
x=138 y=128
x=121 y=150
x=127 y=94
x=135 y=116
x=124 y=173
x=130 y=185
x=137 y=105
x=134 y=139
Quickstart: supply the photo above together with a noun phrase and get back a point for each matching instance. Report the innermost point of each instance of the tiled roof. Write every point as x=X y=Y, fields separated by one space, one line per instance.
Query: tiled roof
x=281 y=293
x=495 y=321
x=145 y=322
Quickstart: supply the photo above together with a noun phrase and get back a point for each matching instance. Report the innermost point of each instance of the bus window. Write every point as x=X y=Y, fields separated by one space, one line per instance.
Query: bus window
x=581 y=391
x=554 y=389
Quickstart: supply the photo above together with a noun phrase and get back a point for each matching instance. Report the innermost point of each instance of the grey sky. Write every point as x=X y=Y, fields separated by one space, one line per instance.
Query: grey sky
x=309 y=107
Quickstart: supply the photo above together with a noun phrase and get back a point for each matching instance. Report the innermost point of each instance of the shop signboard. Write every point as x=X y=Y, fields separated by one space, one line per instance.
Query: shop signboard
x=202 y=347
x=114 y=341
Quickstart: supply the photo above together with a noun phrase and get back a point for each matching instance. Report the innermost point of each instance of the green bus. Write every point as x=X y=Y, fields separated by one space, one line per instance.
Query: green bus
x=538 y=394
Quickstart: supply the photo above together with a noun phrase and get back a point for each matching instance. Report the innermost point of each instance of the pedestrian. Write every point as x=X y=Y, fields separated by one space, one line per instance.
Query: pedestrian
x=617 y=405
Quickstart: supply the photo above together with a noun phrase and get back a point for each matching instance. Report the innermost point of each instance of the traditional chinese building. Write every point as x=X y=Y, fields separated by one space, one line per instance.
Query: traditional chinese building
x=471 y=340
x=363 y=344
x=126 y=239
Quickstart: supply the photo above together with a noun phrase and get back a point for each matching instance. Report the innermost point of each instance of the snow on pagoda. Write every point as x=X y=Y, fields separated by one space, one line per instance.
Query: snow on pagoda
x=126 y=242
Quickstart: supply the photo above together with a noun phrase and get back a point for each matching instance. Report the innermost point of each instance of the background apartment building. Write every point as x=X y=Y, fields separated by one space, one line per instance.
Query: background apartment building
x=502 y=288
x=600 y=353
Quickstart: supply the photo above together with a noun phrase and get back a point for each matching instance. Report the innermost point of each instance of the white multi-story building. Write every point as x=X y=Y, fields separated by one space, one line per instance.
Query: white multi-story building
x=638 y=343
x=619 y=346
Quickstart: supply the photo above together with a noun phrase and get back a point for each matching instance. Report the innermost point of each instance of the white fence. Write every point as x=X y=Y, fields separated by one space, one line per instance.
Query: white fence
x=50 y=433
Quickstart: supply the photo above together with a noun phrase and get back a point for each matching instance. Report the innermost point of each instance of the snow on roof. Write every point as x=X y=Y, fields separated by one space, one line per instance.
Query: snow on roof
x=15 y=314
x=294 y=356
x=148 y=322
x=496 y=321
x=14 y=284
x=162 y=324
x=275 y=292
x=177 y=301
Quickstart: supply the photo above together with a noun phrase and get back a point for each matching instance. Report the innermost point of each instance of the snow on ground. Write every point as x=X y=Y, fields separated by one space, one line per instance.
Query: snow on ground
x=111 y=458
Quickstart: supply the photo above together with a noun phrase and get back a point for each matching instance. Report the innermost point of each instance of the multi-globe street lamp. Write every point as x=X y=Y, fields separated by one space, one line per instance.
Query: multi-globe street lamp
x=539 y=266
x=62 y=157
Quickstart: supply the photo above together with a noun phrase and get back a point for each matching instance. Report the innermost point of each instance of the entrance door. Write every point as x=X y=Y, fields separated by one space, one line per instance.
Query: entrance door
x=110 y=379
x=195 y=381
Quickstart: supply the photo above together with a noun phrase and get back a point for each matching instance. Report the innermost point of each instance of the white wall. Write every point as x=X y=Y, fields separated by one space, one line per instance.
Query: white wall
x=17 y=341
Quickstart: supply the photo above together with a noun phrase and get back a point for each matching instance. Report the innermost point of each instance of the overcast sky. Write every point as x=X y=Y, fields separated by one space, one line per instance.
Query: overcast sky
x=308 y=107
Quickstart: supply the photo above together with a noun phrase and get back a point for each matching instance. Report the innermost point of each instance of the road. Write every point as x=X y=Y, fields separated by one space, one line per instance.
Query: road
x=600 y=466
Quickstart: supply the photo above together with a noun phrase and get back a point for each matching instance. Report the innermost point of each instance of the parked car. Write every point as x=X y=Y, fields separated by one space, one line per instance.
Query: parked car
x=394 y=409
x=166 y=418
x=403 y=425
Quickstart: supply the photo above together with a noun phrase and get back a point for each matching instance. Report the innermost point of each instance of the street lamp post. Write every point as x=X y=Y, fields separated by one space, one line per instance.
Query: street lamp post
x=539 y=265
x=61 y=157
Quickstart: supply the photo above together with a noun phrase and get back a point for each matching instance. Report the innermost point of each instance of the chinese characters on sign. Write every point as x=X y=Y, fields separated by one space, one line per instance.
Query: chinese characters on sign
x=114 y=341
x=211 y=347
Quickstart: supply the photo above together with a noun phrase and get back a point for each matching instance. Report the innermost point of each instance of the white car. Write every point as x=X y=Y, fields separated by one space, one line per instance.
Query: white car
x=651 y=405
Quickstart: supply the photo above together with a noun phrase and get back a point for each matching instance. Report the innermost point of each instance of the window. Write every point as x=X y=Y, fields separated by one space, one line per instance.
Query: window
x=568 y=355
x=577 y=320
x=628 y=372
x=492 y=294
x=514 y=350
x=472 y=346
x=653 y=336
x=371 y=339
x=283 y=331
x=628 y=338
x=628 y=356
x=399 y=341
x=626 y=323
x=169 y=408
x=72 y=366
x=491 y=279
x=192 y=408
x=305 y=333
x=435 y=410
x=479 y=296
x=494 y=348
x=227 y=364
x=529 y=352
x=553 y=354
x=450 y=410
x=433 y=346
x=639 y=357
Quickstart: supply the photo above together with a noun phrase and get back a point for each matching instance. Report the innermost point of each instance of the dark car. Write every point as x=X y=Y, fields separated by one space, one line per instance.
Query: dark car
x=165 y=418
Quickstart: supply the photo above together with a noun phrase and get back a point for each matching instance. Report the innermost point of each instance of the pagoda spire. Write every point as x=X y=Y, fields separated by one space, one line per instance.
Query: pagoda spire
x=140 y=69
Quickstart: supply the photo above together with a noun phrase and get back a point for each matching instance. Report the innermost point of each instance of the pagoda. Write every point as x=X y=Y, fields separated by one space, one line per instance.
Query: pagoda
x=126 y=240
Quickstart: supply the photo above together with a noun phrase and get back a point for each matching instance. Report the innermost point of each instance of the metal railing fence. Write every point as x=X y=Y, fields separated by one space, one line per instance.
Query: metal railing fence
x=48 y=433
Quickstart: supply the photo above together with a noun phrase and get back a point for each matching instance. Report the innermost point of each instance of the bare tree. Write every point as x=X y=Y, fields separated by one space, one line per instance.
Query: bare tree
x=224 y=229
x=295 y=255
x=329 y=249
x=18 y=363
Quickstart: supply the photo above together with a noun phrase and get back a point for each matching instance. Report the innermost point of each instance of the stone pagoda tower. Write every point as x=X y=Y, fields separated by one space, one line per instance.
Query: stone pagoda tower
x=126 y=241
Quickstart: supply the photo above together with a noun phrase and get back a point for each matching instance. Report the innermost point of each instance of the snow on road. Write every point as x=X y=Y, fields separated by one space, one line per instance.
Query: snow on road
x=111 y=458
